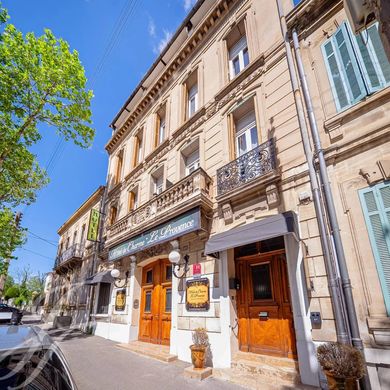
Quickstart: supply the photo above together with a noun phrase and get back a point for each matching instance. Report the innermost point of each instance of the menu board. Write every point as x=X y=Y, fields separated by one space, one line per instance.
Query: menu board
x=198 y=295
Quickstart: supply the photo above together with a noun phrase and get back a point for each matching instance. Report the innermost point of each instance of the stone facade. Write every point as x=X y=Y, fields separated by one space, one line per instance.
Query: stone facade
x=66 y=293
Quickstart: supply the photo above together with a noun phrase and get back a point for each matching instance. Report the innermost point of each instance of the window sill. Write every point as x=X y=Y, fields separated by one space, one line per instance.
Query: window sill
x=333 y=125
x=134 y=171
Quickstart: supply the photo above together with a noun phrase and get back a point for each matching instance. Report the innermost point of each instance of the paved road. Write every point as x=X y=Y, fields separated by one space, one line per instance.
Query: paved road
x=97 y=364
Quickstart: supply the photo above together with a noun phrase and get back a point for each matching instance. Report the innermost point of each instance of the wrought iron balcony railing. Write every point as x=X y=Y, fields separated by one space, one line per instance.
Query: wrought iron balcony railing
x=73 y=252
x=254 y=164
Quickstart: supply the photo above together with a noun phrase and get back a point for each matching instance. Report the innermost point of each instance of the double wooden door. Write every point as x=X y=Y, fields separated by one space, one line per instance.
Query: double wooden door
x=156 y=303
x=263 y=306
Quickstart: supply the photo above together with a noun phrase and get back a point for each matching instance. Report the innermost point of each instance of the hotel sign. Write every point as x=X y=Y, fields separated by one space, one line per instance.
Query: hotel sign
x=93 y=227
x=120 y=300
x=174 y=228
x=197 y=295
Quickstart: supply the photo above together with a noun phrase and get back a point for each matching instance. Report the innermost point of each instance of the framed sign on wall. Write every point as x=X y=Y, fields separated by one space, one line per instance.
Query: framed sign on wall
x=198 y=295
x=120 y=300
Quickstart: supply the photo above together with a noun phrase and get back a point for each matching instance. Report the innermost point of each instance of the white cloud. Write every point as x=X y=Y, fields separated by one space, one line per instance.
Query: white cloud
x=163 y=42
x=188 y=4
x=152 y=28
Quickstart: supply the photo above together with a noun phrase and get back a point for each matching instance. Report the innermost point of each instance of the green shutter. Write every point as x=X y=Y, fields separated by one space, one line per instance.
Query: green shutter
x=372 y=58
x=376 y=207
x=343 y=70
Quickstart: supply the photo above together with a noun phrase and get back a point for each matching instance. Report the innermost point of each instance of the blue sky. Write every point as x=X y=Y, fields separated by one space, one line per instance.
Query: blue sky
x=87 y=25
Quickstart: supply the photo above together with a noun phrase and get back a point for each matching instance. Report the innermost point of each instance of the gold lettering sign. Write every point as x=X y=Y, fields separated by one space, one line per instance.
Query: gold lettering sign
x=197 y=295
x=120 y=300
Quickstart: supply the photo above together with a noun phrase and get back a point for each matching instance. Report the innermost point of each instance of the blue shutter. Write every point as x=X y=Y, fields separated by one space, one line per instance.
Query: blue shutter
x=343 y=70
x=372 y=58
x=376 y=207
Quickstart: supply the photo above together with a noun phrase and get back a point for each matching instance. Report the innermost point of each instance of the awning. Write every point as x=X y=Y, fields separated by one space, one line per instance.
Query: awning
x=100 y=277
x=270 y=227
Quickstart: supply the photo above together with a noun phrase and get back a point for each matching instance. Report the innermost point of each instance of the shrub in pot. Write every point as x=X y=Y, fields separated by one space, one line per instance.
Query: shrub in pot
x=199 y=348
x=342 y=364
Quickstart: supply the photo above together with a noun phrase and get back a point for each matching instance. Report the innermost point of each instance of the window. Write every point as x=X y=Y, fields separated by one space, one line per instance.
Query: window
x=261 y=281
x=357 y=64
x=160 y=126
x=237 y=46
x=245 y=129
x=67 y=243
x=192 y=100
x=376 y=209
x=104 y=298
x=118 y=168
x=113 y=214
x=138 y=148
x=158 y=181
x=133 y=199
x=191 y=91
x=82 y=235
x=192 y=162
x=74 y=237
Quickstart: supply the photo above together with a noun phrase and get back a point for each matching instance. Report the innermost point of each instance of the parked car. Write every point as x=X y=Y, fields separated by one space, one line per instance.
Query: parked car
x=10 y=314
x=30 y=360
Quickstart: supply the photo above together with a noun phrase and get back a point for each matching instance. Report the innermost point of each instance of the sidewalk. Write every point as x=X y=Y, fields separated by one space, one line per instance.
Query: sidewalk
x=98 y=364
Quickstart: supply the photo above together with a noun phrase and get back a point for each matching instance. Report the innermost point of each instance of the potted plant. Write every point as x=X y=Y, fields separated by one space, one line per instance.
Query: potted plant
x=199 y=348
x=342 y=364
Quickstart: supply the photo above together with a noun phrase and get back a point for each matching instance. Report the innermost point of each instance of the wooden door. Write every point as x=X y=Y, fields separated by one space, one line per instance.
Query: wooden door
x=156 y=303
x=264 y=308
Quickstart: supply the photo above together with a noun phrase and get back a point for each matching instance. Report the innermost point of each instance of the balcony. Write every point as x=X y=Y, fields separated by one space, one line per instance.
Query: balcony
x=247 y=171
x=69 y=258
x=192 y=191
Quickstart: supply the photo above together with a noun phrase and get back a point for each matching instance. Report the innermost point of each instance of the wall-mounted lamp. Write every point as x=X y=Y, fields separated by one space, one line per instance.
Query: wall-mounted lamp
x=180 y=266
x=115 y=273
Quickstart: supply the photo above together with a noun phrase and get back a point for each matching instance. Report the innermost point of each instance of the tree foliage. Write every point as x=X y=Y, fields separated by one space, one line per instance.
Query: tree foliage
x=42 y=82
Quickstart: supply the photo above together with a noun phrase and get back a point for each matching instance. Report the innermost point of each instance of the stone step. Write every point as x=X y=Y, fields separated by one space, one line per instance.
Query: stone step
x=269 y=368
x=256 y=381
x=158 y=352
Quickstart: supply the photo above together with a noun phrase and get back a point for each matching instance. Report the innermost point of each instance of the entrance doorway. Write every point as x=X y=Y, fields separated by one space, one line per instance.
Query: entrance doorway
x=264 y=305
x=156 y=303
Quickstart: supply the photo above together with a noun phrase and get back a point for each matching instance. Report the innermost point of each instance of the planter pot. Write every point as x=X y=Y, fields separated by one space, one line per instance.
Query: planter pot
x=198 y=355
x=337 y=383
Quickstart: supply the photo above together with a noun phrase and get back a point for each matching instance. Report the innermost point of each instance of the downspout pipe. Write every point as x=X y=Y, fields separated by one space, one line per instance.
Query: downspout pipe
x=330 y=207
x=335 y=293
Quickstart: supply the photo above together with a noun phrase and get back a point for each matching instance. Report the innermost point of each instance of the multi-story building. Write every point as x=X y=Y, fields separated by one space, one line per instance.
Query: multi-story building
x=67 y=294
x=206 y=165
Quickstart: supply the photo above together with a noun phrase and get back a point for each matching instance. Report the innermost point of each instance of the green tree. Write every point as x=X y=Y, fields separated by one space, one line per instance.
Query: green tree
x=42 y=82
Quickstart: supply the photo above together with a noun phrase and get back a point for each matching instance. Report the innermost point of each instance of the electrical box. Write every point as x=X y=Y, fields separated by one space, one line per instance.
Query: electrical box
x=316 y=320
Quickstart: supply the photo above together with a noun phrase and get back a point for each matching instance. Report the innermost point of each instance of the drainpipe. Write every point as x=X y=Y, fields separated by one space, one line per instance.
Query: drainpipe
x=335 y=294
x=330 y=207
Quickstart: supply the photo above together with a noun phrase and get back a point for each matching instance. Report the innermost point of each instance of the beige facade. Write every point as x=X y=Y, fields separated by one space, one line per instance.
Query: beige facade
x=67 y=295
x=209 y=144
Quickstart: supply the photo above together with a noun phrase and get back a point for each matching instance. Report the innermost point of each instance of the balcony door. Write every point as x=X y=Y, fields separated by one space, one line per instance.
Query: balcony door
x=156 y=303
x=264 y=308
x=246 y=134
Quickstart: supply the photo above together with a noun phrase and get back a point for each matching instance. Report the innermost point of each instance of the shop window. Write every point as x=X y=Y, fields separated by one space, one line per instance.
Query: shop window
x=118 y=167
x=191 y=95
x=113 y=214
x=133 y=199
x=160 y=131
x=238 y=55
x=357 y=64
x=104 y=298
x=138 y=148
x=375 y=202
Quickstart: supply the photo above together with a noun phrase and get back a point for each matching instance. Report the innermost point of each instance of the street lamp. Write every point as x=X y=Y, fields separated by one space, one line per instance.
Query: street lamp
x=115 y=273
x=177 y=263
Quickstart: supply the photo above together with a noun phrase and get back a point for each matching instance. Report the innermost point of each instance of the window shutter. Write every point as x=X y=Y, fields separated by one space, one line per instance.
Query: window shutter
x=376 y=208
x=373 y=60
